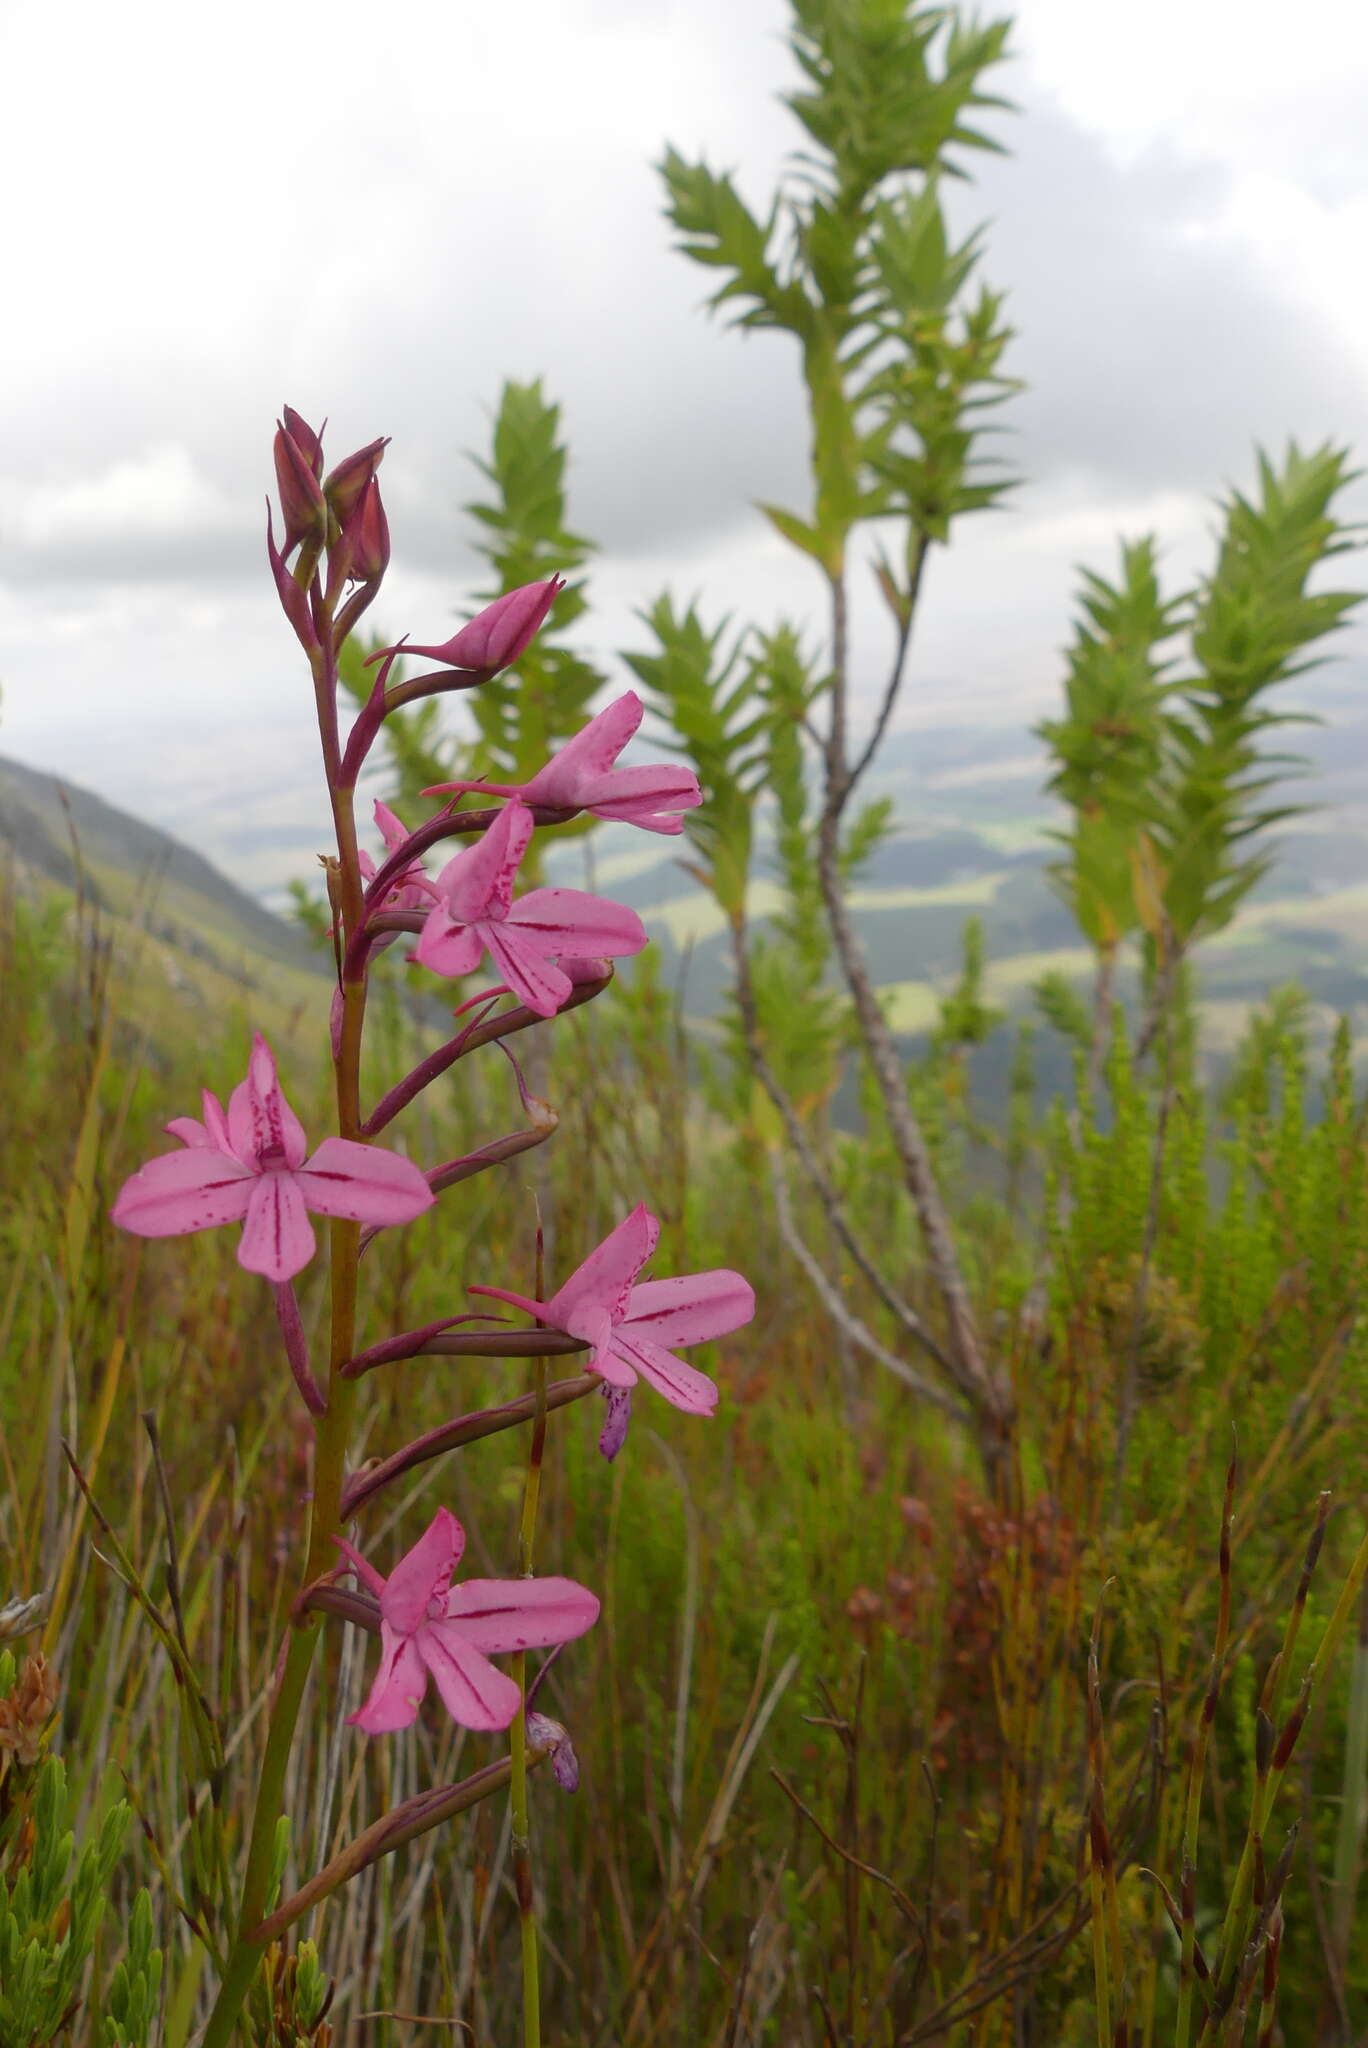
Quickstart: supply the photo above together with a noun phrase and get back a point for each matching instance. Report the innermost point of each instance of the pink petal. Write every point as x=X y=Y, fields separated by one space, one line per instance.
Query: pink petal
x=495 y=1615
x=593 y=1324
x=367 y=1183
x=277 y=1237
x=391 y=828
x=572 y=921
x=645 y=796
x=681 y=1384
x=473 y=1692
x=215 y=1120
x=478 y=882
x=190 y=1131
x=448 y=947
x=605 y=1278
x=183 y=1191
x=521 y=960
x=612 y=1369
x=264 y=1130
x=371 y=1579
x=691 y=1308
x=423 y=1574
x=399 y=1686
x=589 y=755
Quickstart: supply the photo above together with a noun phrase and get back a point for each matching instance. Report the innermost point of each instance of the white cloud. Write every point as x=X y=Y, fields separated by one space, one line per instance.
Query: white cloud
x=383 y=222
x=148 y=497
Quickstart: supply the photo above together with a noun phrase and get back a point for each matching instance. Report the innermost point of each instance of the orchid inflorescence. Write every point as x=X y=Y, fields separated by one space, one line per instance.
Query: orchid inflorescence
x=249 y=1163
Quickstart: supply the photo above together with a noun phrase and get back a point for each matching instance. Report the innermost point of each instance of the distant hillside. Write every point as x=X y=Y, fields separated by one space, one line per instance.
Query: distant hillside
x=66 y=835
x=973 y=841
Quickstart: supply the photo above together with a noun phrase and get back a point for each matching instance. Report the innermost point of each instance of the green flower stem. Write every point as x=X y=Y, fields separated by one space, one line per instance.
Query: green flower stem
x=332 y=1434
x=521 y=1826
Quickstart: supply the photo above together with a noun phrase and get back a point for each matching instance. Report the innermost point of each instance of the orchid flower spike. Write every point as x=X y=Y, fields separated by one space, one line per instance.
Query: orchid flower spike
x=630 y=1325
x=247 y=1165
x=428 y=1627
x=495 y=637
x=581 y=777
x=475 y=914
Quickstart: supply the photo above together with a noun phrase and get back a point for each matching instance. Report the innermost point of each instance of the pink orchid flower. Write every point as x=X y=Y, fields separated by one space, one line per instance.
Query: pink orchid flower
x=411 y=890
x=428 y=1627
x=495 y=637
x=475 y=914
x=581 y=777
x=630 y=1325
x=246 y=1165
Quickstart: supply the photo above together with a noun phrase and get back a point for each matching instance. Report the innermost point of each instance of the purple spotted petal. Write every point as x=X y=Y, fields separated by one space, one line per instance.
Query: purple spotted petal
x=617 y=1421
x=605 y=1278
x=263 y=1129
x=367 y=1183
x=691 y=1308
x=521 y=960
x=183 y=1191
x=572 y=921
x=473 y=1692
x=277 y=1237
x=399 y=1686
x=448 y=947
x=496 y=1615
x=478 y=882
x=423 y=1573
x=682 y=1385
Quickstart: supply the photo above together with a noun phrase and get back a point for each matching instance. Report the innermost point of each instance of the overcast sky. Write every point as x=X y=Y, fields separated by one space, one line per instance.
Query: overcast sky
x=378 y=213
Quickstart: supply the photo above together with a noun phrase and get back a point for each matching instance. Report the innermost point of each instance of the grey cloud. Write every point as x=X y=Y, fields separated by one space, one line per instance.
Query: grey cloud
x=1154 y=348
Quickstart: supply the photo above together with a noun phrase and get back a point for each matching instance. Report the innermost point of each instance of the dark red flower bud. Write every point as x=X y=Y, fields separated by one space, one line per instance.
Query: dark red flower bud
x=495 y=637
x=343 y=486
x=366 y=542
x=301 y=501
x=305 y=439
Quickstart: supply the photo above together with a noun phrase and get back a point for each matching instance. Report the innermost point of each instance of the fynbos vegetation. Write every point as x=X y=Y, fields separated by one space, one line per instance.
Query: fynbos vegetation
x=968 y=1643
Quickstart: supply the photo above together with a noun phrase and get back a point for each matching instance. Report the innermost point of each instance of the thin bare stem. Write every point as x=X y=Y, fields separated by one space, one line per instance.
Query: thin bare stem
x=986 y=1392
x=844 y=1318
x=832 y=1206
x=897 y=675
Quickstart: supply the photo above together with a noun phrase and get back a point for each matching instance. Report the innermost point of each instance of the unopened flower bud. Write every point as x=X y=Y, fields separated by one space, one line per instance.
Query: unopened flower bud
x=496 y=636
x=343 y=486
x=301 y=500
x=305 y=439
x=366 y=541
x=544 y=1733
